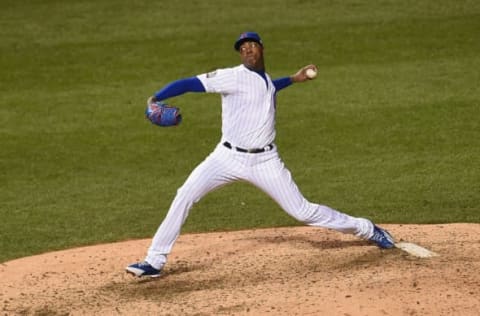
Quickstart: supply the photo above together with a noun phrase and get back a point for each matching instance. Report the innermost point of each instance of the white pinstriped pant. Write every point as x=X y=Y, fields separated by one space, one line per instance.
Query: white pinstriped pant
x=264 y=170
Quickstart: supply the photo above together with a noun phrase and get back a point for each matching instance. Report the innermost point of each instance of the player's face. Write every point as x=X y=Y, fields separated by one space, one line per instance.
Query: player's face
x=251 y=54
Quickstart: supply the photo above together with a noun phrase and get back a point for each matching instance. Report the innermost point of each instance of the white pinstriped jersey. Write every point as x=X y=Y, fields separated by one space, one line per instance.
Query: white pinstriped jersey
x=248 y=105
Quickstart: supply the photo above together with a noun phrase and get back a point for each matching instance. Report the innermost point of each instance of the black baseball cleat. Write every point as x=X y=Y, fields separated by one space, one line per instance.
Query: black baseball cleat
x=382 y=238
x=143 y=269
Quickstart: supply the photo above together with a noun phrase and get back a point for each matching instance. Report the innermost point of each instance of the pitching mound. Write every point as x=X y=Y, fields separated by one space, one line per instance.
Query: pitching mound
x=282 y=271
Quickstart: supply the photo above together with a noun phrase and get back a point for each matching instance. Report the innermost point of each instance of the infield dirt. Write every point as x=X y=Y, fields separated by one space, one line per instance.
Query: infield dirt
x=278 y=271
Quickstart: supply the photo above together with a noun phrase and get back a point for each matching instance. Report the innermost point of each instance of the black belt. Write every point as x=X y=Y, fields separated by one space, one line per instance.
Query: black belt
x=250 y=151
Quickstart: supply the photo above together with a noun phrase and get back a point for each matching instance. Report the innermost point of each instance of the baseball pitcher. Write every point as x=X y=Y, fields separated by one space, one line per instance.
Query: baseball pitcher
x=246 y=152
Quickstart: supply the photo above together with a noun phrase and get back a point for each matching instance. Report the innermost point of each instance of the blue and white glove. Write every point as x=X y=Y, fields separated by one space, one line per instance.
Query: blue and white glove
x=162 y=114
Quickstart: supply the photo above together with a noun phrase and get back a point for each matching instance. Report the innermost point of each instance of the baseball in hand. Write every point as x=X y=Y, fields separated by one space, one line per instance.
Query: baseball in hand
x=311 y=73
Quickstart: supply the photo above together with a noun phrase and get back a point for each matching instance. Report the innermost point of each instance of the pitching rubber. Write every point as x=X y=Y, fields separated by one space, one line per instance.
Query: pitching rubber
x=415 y=250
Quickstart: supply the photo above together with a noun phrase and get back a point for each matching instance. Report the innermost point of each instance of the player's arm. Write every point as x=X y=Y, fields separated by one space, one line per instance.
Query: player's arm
x=282 y=83
x=177 y=88
x=300 y=76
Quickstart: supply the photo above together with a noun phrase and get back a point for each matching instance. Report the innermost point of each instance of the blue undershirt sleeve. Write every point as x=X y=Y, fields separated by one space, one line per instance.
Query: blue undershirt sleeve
x=179 y=87
x=281 y=83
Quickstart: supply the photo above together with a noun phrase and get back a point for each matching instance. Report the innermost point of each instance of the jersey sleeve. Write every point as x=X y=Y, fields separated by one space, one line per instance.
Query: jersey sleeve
x=180 y=87
x=219 y=81
x=282 y=83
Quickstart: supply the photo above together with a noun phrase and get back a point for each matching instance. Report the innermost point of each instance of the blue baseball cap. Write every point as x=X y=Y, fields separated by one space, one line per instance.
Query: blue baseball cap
x=247 y=36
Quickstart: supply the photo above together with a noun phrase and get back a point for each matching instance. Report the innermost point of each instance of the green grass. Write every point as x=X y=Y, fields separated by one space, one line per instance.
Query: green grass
x=390 y=129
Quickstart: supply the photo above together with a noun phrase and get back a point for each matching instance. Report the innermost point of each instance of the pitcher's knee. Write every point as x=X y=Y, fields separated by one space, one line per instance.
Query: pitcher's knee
x=190 y=193
x=307 y=213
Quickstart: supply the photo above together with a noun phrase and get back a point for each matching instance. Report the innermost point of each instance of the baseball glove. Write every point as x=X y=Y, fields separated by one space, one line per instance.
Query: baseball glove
x=162 y=114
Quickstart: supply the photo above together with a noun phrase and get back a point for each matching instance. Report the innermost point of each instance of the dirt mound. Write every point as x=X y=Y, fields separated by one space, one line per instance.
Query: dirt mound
x=280 y=271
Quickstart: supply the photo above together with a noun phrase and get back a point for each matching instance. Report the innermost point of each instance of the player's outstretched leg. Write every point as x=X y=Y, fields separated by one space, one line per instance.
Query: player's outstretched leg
x=279 y=184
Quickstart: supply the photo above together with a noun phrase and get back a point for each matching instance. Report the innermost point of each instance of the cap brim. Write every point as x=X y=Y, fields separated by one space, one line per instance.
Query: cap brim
x=246 y=39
